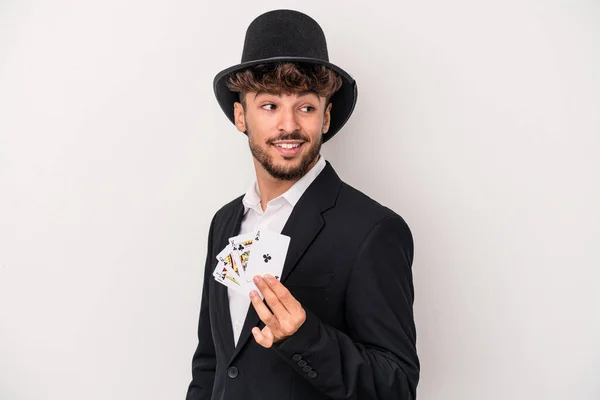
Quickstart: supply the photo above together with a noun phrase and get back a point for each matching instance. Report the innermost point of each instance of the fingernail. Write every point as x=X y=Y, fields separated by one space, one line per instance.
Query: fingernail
x=269 y=277
x=253 y=294
x=257 y=279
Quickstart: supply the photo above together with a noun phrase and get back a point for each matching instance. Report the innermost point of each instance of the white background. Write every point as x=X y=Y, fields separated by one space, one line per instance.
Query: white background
x=477 y=121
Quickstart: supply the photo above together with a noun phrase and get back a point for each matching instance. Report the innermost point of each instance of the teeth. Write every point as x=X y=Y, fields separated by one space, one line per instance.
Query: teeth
x=288 y=145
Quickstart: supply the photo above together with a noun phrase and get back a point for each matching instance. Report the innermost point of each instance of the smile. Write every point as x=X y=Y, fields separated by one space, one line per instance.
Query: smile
x=288 y=145
x=288 y=148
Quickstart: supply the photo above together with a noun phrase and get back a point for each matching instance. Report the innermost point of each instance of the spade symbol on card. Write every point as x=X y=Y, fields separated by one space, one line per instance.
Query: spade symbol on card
x=266 y=257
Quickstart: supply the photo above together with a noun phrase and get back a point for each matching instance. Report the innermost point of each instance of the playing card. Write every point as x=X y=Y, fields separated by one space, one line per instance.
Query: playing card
x=242 y=245
x=221 y=272
x=227 y=259
x=223 y=276
x=229 y=282
x=267 y=255
x=248 y=255
x=227 y=273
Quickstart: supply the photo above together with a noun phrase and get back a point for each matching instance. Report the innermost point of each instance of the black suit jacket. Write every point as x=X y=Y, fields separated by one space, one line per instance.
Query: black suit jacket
x=349 y=265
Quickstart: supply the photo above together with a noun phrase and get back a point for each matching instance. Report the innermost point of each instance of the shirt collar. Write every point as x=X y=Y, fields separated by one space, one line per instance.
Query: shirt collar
x=292 y=195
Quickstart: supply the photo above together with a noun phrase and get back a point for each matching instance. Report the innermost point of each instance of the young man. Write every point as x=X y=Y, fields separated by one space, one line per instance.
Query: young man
x=339 y=322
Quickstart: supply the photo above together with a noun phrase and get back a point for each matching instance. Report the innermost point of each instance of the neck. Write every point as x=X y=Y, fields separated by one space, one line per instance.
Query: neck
x=271 y=187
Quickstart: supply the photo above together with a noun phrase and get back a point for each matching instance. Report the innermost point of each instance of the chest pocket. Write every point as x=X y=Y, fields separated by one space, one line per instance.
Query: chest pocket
x=302 y=279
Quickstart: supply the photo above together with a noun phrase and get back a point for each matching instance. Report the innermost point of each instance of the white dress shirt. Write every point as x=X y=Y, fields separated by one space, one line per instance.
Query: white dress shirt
x=273 y=219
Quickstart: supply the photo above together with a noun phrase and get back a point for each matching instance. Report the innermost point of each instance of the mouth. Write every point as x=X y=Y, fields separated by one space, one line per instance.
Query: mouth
x=288 y=147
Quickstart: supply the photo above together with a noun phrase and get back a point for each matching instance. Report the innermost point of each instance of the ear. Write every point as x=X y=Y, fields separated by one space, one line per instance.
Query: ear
x=327 y=118
x=240 y=120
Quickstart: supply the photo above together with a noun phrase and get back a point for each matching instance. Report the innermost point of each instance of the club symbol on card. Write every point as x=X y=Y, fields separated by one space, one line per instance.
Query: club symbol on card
x=266 y=257
x=240 y=247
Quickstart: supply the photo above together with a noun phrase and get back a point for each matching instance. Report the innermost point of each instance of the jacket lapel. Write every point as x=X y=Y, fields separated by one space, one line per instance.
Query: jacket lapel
x=303 y=225
x=232 y=227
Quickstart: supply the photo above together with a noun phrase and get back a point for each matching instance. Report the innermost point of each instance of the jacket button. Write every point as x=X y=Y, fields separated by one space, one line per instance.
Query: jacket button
x=296 y=357
x=302 y=363
x=232 y=372
x=312 y=374
x=307 y=369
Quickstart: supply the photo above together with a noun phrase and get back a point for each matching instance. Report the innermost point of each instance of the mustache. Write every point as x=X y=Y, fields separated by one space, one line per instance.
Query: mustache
x=296 y=135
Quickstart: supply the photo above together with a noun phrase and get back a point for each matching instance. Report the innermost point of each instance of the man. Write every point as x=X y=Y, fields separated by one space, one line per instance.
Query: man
x=339 y=322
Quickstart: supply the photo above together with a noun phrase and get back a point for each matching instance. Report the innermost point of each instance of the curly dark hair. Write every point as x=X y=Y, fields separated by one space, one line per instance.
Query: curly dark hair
x=285 y=78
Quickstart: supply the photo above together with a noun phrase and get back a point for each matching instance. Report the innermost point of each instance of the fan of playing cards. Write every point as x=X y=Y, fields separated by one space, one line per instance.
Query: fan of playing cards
x=256 y=253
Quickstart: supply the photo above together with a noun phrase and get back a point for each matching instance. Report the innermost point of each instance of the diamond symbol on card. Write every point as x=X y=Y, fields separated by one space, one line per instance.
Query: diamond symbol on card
x=266 y=257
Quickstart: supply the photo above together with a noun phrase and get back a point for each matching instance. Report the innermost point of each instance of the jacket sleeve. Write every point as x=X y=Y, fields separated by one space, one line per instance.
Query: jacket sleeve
x=376 y=358
x=204 y=359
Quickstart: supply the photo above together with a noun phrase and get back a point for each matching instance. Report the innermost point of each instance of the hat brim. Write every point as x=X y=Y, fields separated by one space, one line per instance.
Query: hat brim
x=343 y=101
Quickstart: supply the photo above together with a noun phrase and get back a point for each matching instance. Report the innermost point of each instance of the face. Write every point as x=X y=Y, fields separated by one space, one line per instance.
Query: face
x=284 y=131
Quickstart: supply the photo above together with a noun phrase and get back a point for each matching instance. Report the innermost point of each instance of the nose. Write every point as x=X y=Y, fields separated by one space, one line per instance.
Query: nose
x=288 y=121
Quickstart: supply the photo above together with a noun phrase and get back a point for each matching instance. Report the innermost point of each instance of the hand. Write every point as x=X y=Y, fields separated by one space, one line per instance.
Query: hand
x=287 y=316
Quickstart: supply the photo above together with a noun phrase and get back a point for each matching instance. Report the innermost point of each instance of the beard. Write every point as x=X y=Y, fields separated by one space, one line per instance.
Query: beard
x=285 y=172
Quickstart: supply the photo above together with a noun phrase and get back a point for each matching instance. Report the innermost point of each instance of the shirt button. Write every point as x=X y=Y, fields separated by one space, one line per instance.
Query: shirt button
x=232 y=372
x=302 y=363
x=307 y=369
x=312 y=374
x=296 y=357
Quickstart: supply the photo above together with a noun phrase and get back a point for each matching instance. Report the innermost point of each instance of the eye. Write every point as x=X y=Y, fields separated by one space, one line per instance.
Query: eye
x=307 y=108
x=268 y=107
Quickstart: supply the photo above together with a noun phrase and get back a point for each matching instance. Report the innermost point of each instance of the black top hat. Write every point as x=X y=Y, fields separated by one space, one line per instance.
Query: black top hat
x=288 y=36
